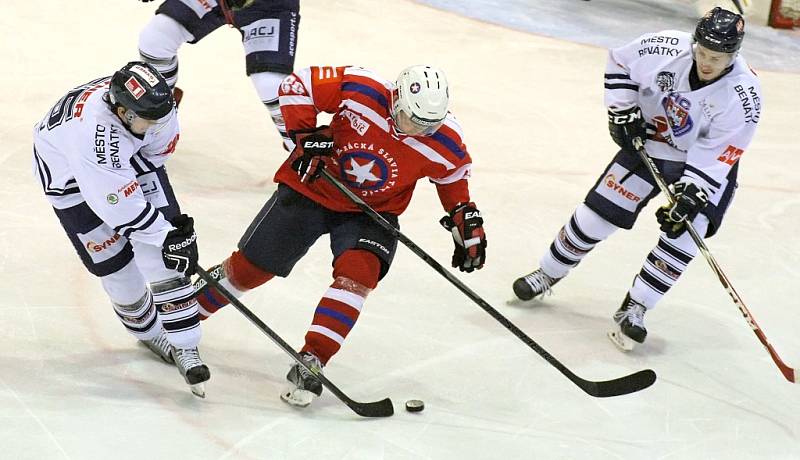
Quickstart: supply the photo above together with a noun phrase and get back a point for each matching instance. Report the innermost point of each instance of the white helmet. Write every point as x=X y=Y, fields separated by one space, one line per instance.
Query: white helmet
x=422 y=96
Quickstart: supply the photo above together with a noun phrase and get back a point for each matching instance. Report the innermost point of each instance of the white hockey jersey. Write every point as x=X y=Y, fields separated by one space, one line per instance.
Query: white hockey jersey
x=709 y=128
x=83 y=152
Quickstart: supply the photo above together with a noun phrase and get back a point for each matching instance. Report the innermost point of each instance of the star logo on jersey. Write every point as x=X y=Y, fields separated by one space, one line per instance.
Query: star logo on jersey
x=363 y=170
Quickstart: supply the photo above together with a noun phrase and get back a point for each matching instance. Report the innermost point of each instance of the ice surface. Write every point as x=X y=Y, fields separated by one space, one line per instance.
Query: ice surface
x=75 y=385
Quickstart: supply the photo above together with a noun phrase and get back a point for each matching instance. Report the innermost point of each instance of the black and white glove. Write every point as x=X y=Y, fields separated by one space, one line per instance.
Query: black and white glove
x=625 y=126
x=180 y=247
x=466 y=225
x=311 y=147
x=689 y=201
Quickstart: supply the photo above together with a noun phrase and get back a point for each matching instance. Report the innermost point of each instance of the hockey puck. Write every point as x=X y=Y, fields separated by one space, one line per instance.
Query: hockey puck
x=415 y=405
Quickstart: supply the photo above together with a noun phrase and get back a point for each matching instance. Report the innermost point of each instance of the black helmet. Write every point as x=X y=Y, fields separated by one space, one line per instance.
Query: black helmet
x=139 y=87
x=720 y=30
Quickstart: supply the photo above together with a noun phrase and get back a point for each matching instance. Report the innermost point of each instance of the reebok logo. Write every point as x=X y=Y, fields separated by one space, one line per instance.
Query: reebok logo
x=184 y=243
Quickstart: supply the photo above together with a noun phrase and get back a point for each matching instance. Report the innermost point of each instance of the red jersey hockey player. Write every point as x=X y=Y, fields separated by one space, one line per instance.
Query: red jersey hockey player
x=384 y=136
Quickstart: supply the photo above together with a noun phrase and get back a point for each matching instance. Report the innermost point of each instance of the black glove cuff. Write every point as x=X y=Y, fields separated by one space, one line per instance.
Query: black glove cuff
x=447 y=223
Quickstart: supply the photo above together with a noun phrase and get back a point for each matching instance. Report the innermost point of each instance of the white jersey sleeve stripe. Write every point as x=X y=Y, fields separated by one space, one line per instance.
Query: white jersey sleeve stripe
x=428 y=152
x=369 y=113
x=463 y=172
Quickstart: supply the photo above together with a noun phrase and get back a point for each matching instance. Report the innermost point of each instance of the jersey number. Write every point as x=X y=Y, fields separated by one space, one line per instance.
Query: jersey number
x=65 y=108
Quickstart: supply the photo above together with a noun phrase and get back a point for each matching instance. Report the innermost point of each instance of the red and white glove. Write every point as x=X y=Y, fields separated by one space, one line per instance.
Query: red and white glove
x=466 y=225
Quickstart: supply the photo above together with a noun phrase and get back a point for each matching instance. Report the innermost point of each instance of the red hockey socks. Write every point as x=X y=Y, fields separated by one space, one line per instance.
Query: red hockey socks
x=355 y=274
x=237 y=275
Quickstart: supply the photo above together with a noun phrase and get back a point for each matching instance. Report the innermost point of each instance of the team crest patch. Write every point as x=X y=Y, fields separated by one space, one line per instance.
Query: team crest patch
x=363 y=170
x=666 y=81
x=677 y=109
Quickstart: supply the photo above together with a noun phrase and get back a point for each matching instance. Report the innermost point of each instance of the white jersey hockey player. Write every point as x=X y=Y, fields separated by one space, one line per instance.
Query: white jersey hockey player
x=99 y=155
x=697 y=104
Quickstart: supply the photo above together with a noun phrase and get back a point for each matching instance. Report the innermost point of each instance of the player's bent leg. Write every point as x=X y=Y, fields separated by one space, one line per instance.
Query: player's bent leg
x=574 y=241
x=177 y=309
x=356 y=273
x=267 y=84
x=159 y=41
x=236 y=274
x=133 y=304
x=662 y=268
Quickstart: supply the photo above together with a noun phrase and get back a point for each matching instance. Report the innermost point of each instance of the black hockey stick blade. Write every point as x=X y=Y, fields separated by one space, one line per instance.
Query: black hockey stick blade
x=382 y=408
x=621 y=386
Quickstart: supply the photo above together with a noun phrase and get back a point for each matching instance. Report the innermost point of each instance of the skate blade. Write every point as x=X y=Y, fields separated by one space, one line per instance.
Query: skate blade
x=297 y=397
x=199 y=390
x=622 y=341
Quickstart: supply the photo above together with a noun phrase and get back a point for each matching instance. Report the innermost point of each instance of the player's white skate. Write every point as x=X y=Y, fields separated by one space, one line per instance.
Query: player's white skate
x=160 y=346
x=630 y=325
x=192 y=368
x=303 y=387
x=534 y=284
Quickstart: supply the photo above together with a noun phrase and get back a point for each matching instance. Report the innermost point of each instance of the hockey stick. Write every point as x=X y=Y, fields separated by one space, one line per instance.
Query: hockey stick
x=787 y=371
x=620 y=386
x=383 y=408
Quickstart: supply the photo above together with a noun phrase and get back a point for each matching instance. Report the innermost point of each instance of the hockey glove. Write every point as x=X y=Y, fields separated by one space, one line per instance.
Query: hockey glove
x=311 y=148
x=689 y=201
x=180 y=247
x=466 y=225
x=625 y=126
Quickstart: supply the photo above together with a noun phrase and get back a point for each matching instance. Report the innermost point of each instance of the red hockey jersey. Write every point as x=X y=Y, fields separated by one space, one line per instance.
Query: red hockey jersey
x=371 y=157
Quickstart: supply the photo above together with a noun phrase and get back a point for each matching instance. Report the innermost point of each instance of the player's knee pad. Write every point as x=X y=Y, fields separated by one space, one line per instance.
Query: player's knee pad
x=357 y=269
x=161 y=38
x=174 y=296
x=125 y=286
x=243 y=274
x=592 y=224
x=139 y=317
x=236 y=274
x=178 y=312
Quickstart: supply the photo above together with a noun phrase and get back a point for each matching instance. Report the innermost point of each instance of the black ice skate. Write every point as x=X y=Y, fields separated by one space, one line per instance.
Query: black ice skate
x=304 y=387
x=630 y=319
x=161 y=346
x=534 y=284
x=192 y=368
